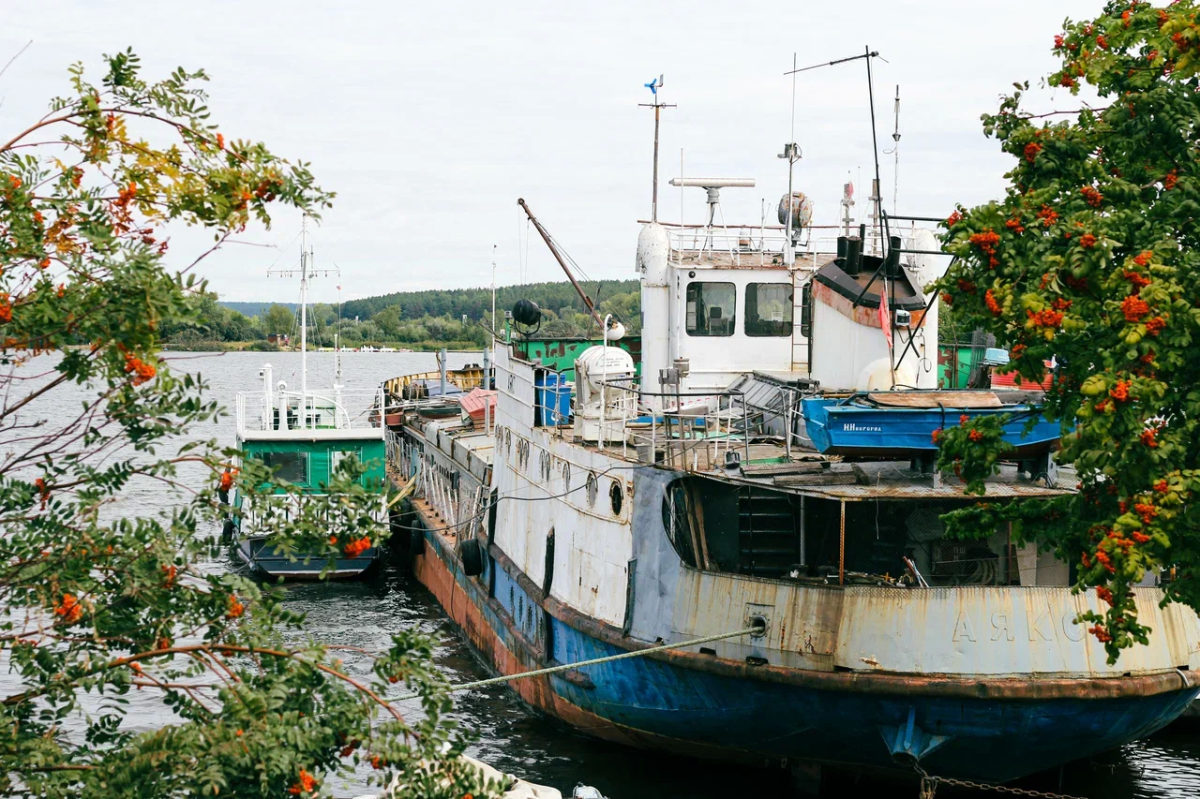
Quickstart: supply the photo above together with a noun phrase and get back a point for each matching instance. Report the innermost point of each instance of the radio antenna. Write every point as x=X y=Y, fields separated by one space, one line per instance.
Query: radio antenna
x=654 y=86
x=896 y=156
x=867 y=55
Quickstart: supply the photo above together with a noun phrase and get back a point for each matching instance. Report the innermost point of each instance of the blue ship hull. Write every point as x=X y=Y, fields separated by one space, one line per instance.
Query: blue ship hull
x=694 y=704
x=839 y=427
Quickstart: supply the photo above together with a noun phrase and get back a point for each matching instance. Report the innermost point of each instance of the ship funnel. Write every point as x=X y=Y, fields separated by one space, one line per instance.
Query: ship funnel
x=653 y=267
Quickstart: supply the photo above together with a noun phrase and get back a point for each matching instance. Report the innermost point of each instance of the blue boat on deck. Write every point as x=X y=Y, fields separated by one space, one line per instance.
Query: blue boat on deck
x=902 y=423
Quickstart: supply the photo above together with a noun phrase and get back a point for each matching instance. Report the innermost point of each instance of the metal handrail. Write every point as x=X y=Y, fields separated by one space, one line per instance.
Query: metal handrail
x=350 y=410
x=719 y=418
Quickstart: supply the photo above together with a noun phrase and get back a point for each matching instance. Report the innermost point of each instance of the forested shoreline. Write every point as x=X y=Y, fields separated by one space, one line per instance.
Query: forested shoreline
x=419 y=320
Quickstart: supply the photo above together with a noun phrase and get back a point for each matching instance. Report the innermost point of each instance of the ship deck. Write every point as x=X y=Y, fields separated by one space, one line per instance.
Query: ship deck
x=767 y=464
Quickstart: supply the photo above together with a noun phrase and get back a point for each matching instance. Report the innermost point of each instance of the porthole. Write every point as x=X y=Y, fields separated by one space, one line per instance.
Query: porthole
x=593 y=489
x=544 y=463
x=566 y=471
x=616 y=495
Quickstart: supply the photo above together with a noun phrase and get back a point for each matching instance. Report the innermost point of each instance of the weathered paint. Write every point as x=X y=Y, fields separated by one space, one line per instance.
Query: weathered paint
x=966 y=631
x=839 y=672
x=1011 y=631
x=708 y=706
x=546 y=482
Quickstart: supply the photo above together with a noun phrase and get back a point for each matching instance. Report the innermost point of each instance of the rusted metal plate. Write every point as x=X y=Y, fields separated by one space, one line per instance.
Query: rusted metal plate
x=1007 y=631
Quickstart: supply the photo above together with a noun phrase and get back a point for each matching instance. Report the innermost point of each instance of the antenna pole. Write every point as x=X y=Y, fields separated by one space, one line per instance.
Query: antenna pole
x=654 y=201
x=304 y=321
x=875 y=196
x=494 y=290
x=653 y=86
x=896 y=153
x=789 y=255
x=792 y=153
x=587 y=301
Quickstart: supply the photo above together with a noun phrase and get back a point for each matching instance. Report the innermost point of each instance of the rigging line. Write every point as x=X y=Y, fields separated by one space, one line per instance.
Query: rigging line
x=525 y=272
x=573 y=263
x=759 y=629
x=283 y=251
x=14 y=58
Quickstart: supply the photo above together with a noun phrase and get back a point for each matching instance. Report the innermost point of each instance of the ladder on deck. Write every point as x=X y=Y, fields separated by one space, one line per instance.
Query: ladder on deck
x=767 y=537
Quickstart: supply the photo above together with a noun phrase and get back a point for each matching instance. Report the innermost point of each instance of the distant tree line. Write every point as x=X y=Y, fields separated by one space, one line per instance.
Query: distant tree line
x=454 y=318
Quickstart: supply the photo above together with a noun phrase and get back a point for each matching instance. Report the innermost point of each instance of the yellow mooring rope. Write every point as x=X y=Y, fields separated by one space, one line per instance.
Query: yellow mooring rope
x=758 y=628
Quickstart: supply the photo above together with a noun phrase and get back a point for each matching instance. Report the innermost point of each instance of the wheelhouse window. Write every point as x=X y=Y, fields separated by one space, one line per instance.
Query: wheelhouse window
x=711 y=309
x=769 y=309
x=338 y=455
x=290 y=466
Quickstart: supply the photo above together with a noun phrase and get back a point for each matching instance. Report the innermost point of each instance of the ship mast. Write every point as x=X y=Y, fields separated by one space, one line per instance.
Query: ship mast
x=307 y=269
x=654 y=86
x=304 y=254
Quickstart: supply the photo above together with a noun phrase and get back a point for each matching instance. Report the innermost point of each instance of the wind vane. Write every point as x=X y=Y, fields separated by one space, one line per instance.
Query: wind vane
x=654 y=86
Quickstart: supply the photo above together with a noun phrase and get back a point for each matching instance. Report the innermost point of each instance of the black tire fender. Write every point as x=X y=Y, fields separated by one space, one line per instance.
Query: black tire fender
x=470 y=552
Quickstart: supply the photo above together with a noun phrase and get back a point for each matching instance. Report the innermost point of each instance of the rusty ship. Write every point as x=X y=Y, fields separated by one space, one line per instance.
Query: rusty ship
x=605 y=496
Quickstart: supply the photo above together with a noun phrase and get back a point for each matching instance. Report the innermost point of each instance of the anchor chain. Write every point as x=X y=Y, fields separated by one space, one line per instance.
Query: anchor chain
x=929 y=784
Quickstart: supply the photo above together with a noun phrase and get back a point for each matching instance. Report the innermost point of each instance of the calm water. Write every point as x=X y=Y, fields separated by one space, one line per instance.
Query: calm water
x=517 y=740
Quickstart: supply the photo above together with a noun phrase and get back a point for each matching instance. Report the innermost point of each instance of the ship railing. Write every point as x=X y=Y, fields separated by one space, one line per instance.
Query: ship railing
x=750 y=245
x=462 y=509
x=692 y=430
x=340 y=410
x=261 y=511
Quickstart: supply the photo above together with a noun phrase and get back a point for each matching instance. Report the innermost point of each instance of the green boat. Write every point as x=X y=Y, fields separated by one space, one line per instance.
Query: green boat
x=303 y=435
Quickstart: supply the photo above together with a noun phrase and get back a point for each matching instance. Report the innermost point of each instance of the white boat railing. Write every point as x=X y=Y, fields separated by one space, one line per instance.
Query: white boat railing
x=260 y=511
x=290 y=410
x=760 y=246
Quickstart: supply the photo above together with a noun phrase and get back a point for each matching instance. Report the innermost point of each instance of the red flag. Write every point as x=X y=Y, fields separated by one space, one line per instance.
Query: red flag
x=885 y=316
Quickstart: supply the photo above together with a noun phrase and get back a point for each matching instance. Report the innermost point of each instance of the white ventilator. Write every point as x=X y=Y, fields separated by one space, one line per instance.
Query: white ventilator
x=604 y=401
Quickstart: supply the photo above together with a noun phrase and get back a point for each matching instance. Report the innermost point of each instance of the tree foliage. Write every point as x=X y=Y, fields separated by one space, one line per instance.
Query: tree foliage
x=420 y=319
x=100 y=602
x=1091 y=259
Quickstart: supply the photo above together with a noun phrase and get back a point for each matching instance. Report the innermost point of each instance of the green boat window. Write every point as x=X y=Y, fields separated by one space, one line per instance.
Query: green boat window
x=290 y=466
x=711 y=309
x=769 y=309
x=339 y=455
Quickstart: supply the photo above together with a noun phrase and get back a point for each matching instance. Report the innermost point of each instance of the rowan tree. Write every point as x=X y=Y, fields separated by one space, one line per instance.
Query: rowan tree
x=1091 y=260
x=98 y=603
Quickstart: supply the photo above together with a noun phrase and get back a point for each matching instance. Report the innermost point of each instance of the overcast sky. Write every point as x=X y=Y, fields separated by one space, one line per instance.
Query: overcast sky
x=429 y=120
